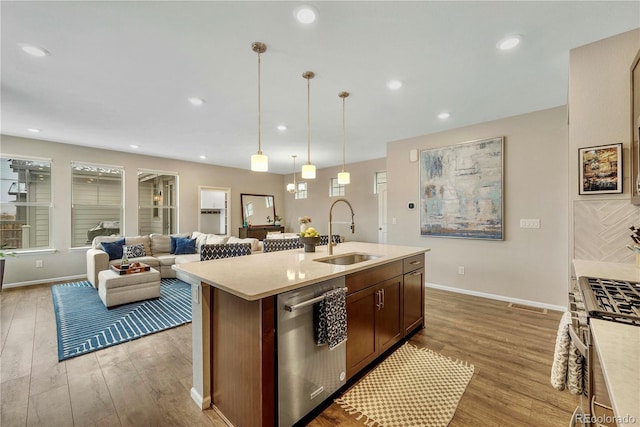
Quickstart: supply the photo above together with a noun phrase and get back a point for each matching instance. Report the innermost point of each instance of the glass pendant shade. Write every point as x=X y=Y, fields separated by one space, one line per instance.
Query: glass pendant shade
x=344 y=178
x=308 y=171
x=259 y=163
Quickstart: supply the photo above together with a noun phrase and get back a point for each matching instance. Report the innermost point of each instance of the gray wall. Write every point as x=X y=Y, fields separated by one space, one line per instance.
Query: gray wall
x=359 y=193
x=530 y=264
x=600 y=113
x=66 y=263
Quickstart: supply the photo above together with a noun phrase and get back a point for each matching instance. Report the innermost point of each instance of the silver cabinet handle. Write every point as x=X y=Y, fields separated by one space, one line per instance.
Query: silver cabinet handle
x=415 y=262
x=378 y=299
x=415 y=273
x=382 y=293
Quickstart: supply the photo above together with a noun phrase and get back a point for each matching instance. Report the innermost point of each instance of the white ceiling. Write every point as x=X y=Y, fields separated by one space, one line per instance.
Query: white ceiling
x=120 y=72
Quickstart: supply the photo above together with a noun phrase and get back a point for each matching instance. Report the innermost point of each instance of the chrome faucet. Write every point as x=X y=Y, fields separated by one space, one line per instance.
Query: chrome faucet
x=353 y=224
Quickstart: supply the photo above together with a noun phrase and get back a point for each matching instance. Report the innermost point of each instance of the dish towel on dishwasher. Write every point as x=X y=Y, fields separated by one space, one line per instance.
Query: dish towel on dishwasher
x=330 y=318
x=568 y=363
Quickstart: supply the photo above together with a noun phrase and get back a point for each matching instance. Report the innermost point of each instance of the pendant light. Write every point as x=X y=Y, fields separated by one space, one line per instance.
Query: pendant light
x=291 y=188
x=343 y=177
x=259 y=162
x=308 y=170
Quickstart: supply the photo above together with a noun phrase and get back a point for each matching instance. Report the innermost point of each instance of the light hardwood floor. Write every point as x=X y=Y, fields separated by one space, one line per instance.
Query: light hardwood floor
x=146 y=382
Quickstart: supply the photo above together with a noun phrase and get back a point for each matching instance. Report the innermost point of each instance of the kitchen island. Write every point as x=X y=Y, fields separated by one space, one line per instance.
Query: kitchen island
x=234 y=322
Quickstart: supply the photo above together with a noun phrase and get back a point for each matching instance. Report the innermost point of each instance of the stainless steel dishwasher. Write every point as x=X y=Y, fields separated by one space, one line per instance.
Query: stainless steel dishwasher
x=307 y=373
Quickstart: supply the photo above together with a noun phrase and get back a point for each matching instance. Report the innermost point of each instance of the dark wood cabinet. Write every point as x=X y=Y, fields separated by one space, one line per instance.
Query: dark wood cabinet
x=384 y=304
x=374 y=314
x=389 y=328
x=260 y=232
x=361 y=332
x=413 y=293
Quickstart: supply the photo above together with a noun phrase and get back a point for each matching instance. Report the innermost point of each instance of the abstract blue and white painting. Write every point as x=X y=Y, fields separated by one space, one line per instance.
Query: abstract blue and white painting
x=461 y=190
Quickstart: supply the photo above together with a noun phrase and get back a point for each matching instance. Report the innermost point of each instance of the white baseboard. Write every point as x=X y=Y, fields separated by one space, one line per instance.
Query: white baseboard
x=41 y=281
x=200 y=401
x=497 y=297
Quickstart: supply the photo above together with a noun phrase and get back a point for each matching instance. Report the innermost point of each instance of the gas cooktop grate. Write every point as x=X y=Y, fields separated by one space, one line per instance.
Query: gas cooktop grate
x=614 y=300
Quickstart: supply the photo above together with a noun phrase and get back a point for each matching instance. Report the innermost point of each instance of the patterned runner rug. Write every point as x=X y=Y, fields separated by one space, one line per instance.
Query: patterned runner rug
x=84 y=324
x=412 y=387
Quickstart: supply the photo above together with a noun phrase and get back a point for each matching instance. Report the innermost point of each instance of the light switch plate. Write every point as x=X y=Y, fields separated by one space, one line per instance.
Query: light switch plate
x=530 y=223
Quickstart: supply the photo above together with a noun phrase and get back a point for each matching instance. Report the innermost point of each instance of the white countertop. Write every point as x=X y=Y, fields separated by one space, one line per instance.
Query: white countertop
x=261 y=275
x=606 y=270
x=615 y=344
x=618 y=345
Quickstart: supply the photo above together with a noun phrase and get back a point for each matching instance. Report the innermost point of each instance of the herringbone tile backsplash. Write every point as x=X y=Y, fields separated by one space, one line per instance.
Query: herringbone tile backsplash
x=601 y=229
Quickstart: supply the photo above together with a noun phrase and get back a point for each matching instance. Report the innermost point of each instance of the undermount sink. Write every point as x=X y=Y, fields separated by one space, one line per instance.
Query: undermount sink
x=347 y=259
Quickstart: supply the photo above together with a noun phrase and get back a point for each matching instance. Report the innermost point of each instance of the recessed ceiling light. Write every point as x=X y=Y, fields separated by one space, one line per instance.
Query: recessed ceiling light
x=444 y=115
x=509 y=42
x=134 y=146
x=34 y=50
x=194 y=100
x=202 y=156
x=305 y=14
x=34 y=130
x=394 y=84
x=282 y=127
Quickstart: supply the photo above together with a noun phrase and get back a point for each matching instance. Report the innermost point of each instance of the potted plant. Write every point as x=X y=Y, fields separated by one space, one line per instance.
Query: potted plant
x=3 y=255
x=635 y=247
x=276 y=220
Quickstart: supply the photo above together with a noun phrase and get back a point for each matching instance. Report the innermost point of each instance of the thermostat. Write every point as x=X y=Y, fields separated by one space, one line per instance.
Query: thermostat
x=411 y=205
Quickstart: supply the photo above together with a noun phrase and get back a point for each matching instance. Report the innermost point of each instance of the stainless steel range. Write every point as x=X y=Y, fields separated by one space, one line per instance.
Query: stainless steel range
x=610 y=300
x=614 y=300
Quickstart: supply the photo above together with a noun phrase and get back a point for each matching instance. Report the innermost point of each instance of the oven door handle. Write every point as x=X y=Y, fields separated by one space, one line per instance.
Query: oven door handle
x=575 y=339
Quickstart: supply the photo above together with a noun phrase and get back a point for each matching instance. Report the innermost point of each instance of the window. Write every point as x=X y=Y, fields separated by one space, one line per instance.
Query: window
x=25 y=203
x=380 y=180
x=157 y=202
x=96 y=202
x=335 y=189
x=302 y=191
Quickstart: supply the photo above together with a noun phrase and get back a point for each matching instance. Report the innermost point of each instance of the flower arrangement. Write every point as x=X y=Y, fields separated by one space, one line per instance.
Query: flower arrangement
x=635 y=236
x=276 y=218
x=304 y=219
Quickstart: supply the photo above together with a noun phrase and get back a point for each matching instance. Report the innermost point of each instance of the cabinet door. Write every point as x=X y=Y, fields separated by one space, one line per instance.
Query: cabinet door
x=413 y=300
x=388 y=316
x=361 y=320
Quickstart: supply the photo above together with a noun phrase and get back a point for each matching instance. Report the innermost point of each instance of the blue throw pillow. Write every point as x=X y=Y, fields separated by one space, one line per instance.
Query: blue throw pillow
x=174 y=242
x=114 y=249
x=185 y=246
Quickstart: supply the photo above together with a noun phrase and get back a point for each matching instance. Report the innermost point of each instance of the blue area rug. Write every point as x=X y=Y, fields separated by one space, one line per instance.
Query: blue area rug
x=84 y=324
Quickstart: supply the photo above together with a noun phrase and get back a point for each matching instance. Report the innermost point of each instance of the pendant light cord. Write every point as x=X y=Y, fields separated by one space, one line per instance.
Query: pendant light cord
x=259 y=110
x=308 y=121
x=343 y=143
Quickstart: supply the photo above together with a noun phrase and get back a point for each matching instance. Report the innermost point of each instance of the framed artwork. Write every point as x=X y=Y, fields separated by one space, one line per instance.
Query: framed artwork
x=461 y=190
x=601 y=169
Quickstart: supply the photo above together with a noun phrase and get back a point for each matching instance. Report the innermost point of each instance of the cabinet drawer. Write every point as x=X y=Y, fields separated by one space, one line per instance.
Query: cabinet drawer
x=412 y=263
x=363 y=279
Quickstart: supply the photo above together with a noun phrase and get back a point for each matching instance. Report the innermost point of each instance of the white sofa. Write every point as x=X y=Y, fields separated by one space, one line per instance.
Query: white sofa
x=157 y=252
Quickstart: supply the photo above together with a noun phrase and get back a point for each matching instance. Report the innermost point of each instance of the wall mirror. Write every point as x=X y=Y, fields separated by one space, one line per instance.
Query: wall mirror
x=258 y=209
x=635 y=130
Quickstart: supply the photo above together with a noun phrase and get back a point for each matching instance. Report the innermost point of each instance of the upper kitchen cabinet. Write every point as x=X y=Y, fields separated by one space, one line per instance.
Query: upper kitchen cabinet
x=635 y=130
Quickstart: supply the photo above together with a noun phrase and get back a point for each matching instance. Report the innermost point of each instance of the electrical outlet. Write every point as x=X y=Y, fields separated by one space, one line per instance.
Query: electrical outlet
x=461 y=270
x=394 y=220
x=39 y=263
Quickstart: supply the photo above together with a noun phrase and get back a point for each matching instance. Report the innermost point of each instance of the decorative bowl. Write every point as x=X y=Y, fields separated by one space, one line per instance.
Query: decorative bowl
x=310 y=243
